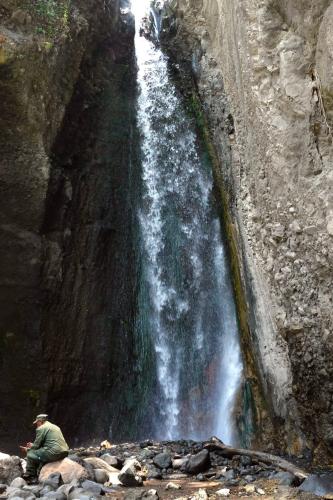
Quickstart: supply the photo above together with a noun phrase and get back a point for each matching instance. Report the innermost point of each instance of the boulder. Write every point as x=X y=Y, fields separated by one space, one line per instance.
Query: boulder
x=10 y=468
x=99 y=463
x=45 y=490
x=198 y=463
x=55 y=495
x=67 y=488
x=318 y=484
x=128 y=475
x=18 y=482
x=16 y=492
x=54 y=480
x=285 y=478
x=101 y=476
x=110 y=460
x=153 y=472
x=93 y=487
x=69 y=470
x=163 y=460
x=180 y=463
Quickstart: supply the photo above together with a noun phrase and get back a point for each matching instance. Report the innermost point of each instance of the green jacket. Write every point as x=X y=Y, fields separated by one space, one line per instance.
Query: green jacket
x=49 y=438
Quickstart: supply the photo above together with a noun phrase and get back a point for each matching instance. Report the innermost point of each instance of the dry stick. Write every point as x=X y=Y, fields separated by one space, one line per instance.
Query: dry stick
x=266 y=458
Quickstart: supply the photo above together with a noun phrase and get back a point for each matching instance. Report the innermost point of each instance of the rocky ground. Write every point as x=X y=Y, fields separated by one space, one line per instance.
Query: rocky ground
x=176 y=470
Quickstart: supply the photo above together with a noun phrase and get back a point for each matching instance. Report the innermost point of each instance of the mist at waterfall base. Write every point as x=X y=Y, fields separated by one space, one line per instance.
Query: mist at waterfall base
x=186 y=323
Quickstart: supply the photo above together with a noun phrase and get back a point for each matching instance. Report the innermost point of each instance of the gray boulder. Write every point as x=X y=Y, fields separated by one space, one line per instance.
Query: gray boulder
x=10 y=468
x=284 y=478
x=111 y=460
x=46 y=489
x=128 y=475
x=180 y=463
x=54 y=480
x=101 y=476
x=198 y=463
x=18 y=482
x=55 y=495
x=16 y=492
x=92 y=487
x=163 y=460
x=153 y=472
x=318 y=484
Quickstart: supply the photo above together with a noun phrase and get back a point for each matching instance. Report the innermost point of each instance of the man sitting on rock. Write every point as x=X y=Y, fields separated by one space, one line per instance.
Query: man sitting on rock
x=49 y=446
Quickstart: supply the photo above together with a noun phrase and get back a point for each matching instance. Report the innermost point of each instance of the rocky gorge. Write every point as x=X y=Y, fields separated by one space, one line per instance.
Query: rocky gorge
x=182 y=470
x=76 y=326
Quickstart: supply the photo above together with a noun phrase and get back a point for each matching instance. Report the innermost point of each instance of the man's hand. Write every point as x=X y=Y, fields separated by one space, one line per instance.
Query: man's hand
x=24 y=449
x=29 y=445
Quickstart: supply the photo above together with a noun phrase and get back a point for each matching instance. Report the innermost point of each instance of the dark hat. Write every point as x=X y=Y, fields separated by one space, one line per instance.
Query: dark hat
x=42 y=416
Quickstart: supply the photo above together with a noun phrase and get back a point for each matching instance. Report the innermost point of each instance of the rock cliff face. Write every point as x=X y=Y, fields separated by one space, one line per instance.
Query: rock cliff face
x=264 y=75
x=47 y=50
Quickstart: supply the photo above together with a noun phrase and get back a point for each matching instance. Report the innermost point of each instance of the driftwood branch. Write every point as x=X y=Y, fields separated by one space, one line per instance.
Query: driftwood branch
x=266 y=458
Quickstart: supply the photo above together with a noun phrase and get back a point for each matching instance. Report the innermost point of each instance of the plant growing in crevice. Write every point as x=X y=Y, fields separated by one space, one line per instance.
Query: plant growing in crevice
x=51 y=17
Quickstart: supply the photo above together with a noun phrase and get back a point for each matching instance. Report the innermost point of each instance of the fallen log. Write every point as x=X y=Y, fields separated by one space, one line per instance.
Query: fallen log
x=266 y=458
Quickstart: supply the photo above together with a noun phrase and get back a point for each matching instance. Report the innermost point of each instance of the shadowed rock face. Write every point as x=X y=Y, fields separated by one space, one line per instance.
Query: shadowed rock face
x=268 y=66
x=37 y=79
x=90 y=256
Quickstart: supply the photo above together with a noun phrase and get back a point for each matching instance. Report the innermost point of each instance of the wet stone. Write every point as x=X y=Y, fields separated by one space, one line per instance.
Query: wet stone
x=198 y=463
x=163 y=460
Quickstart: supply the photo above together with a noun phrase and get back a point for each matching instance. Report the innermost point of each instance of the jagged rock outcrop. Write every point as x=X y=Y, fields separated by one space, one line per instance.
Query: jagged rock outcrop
x=264 y=75
x=44 y=48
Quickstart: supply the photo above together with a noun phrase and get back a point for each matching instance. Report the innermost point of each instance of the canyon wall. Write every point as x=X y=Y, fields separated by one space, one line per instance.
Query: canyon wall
x=45 y=50
x=264 y=76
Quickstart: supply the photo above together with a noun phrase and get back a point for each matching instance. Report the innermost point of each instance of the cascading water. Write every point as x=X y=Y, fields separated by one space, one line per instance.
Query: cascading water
x=186 y=303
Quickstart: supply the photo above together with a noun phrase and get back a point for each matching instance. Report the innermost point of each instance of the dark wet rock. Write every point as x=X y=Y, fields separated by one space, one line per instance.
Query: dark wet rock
x=54 y=480
x=318 y=484
x=245 y=460
x=128 y=475
x=153 y=472
x=232 y=483
x=93 y=487
x=163 y=460
x=198 y=463
x=3 y=488
x=146 y=443
x=284 y=478
x=146 y=455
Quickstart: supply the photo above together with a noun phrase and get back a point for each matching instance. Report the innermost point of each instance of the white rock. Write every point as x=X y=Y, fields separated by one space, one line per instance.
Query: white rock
x=173 y=486
x=260 y=491
x=250 y=488
x=225 y=492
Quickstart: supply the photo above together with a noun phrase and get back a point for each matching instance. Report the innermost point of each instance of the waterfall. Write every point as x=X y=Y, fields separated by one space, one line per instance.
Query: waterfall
x=186 y=302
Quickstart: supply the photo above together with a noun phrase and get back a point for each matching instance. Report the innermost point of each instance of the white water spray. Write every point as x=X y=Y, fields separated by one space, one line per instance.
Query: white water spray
x=192 y=315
